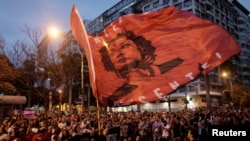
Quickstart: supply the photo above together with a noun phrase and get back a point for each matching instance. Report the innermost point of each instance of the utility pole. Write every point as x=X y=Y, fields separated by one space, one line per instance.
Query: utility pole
x=169 y=103
x=186 y=101
x=29 y=97
x=50 y=102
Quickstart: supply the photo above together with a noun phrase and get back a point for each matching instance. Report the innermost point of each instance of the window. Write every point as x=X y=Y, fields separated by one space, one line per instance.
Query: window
x=179 y=5
x=182 y=89
x=209 y=17
x=241 y=22
x=187 y=3
x=156 y=4
x=147 y=8
x=165 y=1
x=191 y=88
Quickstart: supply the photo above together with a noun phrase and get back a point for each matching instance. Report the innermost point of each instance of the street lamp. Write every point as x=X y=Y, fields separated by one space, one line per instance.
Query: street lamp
x=54 y=32
x=50 y=94
x=42 y=57
x=230 y=94
x=60 y=99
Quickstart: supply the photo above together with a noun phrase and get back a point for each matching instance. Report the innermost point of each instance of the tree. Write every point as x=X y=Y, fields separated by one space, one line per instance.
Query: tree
x=23 y=56
x=239 y=95
x=8 y=73
x=7 y=76
x=242 y=95
x=245 y=101
x=71 y=70
x=35 y=63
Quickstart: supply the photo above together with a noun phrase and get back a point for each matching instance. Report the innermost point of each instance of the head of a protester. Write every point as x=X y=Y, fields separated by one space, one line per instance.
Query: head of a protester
x=3 y=134
x=192 y=134
x=55 y=133
x=11 y=129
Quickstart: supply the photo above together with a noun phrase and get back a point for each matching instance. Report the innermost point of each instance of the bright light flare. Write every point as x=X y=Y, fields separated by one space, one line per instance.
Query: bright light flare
x=225 y=74
x=60 y=91
x=54 y=32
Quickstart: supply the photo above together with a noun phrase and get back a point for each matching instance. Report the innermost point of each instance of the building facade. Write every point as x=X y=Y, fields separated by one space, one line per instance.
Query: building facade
x=243 y=37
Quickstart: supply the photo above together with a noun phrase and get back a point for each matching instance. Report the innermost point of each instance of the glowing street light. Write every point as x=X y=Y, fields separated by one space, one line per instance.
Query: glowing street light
x=227 y=76
x=54 y=32
x=60 y=99
x=51 y=33
x=224 y=74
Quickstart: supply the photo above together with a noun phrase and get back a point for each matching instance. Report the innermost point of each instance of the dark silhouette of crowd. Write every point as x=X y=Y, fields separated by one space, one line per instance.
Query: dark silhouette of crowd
x=189 y=125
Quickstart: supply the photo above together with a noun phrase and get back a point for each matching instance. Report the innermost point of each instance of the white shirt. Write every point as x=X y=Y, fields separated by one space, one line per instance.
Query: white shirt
x=165 y=130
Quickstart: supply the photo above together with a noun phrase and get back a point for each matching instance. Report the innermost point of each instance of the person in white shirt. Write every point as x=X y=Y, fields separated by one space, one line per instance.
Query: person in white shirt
x=165 y=131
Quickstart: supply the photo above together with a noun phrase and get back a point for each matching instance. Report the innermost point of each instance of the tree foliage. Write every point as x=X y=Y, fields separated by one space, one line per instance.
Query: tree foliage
x=8 y=74
x=42 y=70
x=240 y=95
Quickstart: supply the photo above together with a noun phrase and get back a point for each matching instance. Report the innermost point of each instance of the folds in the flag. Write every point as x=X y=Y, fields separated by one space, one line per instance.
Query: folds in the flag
x=140 y=58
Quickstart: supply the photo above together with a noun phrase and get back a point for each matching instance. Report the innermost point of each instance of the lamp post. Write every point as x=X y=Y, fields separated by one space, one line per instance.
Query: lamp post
x=54 y=33
x=50 y=101
x=42 y=57
x=60 y=99
x=226 y=76
x=50 y=94
x=29 y=96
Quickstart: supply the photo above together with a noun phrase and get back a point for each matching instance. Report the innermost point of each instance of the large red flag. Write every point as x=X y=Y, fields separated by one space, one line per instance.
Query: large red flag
x=140 y=58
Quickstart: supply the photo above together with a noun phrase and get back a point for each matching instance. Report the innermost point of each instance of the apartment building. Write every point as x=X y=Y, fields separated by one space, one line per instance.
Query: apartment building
x=243 y=37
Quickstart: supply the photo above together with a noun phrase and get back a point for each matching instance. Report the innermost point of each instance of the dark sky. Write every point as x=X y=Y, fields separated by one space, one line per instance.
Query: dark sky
x=15 y=14
x=42 y=14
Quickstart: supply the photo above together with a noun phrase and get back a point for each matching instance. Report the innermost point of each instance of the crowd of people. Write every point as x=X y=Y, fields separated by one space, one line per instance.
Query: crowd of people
x=189 y=125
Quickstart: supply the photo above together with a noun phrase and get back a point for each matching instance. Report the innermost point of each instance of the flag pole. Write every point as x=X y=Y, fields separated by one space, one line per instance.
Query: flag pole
x=98 y=116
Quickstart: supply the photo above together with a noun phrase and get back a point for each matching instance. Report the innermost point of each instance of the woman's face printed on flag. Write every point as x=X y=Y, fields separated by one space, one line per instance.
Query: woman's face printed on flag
x=123 y=51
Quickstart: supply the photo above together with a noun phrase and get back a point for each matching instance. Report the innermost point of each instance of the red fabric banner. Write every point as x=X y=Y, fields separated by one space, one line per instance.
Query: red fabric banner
x=140 y=58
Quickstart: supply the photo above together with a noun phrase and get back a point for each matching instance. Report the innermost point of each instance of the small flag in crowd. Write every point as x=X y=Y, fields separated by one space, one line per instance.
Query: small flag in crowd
x=29 y=114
